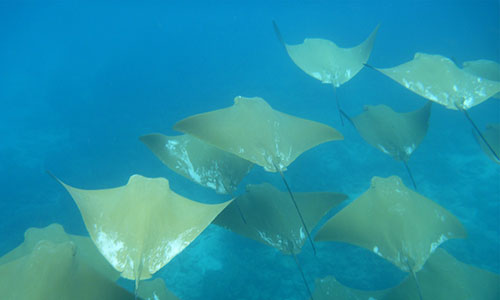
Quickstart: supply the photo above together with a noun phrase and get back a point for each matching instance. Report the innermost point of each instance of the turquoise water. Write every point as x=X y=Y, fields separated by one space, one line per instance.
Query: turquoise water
x=80 y=82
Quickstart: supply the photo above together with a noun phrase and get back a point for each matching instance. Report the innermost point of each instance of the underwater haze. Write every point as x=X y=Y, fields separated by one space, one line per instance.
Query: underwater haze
x=81 y=81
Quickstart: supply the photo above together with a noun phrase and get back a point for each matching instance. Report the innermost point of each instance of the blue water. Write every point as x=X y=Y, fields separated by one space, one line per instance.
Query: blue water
x=80 y=82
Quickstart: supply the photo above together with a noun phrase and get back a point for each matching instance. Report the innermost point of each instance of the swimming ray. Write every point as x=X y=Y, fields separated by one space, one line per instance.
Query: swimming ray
x=492 y=135
x=141 y=226
x=54 y=270
x=395 y=223
x=444 y=277
x=395 y=134
x=438 y=79
x=198 y=161
x=87 y=251
x=253 y=130
x=484 y=68
x=325 y=61
x=270 y=217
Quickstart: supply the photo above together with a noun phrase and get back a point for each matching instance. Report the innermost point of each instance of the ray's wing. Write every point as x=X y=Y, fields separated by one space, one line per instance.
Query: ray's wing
x=484 y=68
x=438 y=79
x=395 y=223
x=198 y=161
x=329 y=63
x=141 y=226
x=395 y=134
x=87 y=251
x=252 y=130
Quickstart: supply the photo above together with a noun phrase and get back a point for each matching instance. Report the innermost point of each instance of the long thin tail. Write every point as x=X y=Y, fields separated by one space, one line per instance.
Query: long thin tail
x=347 y=117
x=409 y=173
x=301 y=272
x=414 y=275
x=240 y=211
x=278 y=34
x=338 y=105
x=481 y=135
x=370 y=66
x=297 y=208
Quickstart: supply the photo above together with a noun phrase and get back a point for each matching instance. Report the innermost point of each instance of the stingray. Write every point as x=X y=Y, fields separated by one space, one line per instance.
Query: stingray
x=484 y=68
x=327 y=62
x=394 y=222
x=492 y=135
x=438 y=79
x=141 y=226
x=271 y=217
x=87 y=251
x=198 y=161
x=54 y=271
x=395 y=134
x=444 y=277
x=253 y=130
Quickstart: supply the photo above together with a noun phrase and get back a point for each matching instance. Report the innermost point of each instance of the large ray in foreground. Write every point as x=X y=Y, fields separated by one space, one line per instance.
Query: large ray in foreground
x=394 y=222
x=253 y=130
x=141 y=226
x=444 y=277
x=87 y=251
x=198 y=161
x=438 y=79
x=53 y=270
x=327 y=62
x=492 y=135
x=271 y=218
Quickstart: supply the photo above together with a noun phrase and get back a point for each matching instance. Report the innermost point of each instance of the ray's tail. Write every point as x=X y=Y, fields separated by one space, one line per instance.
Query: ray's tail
x=410 y=174
x=341 y=113
x=481 y=135
x=300 y=270
x=297 y=208
x=240 y=211
x=278 y=34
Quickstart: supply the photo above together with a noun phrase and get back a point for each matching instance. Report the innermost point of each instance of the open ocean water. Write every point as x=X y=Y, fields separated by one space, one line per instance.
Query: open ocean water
x=80 y=81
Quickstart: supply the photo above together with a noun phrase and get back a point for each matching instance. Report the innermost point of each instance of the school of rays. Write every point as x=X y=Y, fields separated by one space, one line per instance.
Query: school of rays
x=136 y=229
